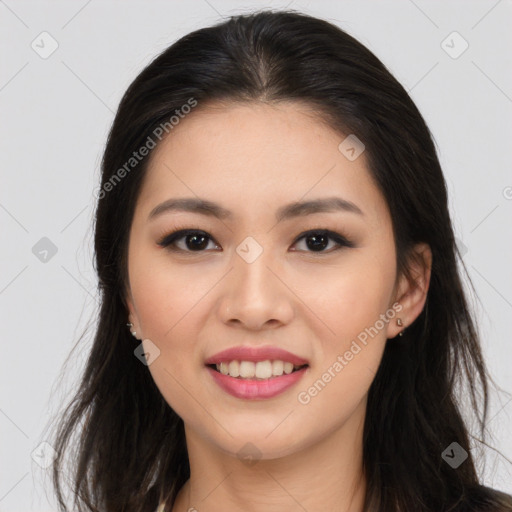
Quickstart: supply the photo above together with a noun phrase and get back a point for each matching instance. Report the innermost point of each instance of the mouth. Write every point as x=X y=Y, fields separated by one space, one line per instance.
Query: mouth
x=256 y=371
x=249 y=380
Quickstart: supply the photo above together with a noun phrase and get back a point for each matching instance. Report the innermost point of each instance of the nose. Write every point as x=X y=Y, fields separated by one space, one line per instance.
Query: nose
x=255 y=295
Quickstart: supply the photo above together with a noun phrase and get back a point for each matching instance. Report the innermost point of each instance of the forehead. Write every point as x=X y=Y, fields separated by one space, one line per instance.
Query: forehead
x=256 y=155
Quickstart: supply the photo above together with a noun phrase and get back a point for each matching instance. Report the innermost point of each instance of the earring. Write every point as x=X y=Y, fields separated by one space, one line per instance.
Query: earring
x=133 y=333
x=400 y=324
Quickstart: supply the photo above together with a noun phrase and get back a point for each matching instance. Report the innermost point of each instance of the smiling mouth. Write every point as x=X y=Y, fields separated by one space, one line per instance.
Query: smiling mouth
x=250 y=373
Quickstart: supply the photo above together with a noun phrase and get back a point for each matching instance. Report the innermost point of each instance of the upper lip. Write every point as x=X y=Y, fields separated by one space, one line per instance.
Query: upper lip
x=255 y=354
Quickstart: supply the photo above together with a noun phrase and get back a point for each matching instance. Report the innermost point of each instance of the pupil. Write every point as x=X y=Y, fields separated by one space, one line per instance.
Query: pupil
x=197 y=246
x=316 y=245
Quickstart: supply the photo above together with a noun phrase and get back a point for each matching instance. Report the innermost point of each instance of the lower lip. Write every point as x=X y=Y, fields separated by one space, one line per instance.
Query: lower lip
x=253 y=389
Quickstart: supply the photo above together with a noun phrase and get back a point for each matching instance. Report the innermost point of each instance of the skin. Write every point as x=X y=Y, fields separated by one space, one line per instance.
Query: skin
x=252 y=159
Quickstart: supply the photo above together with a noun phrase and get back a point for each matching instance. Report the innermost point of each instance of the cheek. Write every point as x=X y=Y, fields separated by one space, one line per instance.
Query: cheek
x=167 y=299
x=164 y=294
x=349 y=298
x=355 y=306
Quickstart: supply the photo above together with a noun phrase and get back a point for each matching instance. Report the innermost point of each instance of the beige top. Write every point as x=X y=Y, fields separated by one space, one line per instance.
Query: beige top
x=161 y=508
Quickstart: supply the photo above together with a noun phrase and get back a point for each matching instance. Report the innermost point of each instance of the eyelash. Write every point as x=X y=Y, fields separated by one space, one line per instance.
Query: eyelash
x=169 y=239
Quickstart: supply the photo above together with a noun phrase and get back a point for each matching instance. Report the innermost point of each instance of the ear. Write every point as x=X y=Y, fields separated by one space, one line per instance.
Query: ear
x=132 y=313
x=412 y=288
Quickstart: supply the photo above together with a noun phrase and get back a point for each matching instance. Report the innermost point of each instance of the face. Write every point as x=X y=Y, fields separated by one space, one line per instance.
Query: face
x=254 y=278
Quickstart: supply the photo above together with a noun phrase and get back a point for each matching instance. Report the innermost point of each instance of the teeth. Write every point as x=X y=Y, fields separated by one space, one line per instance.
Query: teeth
x=277 y=367
x=263 y=370
x=247 y=369
x=259 y=370
x=234 y=368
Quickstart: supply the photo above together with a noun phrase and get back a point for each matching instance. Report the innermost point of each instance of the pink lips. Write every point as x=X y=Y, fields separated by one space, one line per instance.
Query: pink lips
x=256 y=389
x=253 y=389
x=255 y=354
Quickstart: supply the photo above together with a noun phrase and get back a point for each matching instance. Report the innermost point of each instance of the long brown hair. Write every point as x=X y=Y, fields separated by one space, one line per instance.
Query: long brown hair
x=130 y=452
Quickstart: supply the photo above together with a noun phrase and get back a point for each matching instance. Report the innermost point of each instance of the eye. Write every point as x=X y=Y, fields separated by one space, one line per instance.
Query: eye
x=196 y=240
x=318 y=240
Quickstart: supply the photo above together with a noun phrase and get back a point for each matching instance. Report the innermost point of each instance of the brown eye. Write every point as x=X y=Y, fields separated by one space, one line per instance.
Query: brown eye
x=194 y=240
x=318 y=241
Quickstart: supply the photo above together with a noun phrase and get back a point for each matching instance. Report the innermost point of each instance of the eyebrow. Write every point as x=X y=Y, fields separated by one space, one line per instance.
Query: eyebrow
x=296 y=209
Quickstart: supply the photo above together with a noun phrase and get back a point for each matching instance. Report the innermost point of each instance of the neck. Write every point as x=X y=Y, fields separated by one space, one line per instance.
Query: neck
x=327 y=475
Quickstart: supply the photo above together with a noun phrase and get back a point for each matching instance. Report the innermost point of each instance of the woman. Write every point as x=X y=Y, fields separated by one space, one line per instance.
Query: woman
x=282 y=322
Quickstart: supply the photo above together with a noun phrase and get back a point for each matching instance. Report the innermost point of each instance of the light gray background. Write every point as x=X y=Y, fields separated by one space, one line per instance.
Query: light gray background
x=55 y=114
